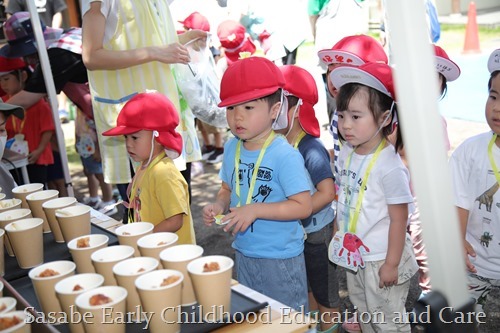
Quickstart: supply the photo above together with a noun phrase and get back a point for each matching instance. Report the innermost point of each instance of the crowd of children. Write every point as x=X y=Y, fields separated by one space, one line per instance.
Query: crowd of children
x=297 y=211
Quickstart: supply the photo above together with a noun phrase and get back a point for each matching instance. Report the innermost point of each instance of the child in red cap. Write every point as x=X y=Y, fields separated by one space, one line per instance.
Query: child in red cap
x=265 y=191
x=36 y=128
x=374 y=198
x=158 y=193
x=303 y=133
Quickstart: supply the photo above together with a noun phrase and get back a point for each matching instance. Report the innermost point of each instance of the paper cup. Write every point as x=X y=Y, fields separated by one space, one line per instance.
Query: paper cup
x=129 y=234
x=20 y=318
x=35 y=202
x=151 y=245
x=7 y=304
x=81 y=253
x=11 y=216
x=20 y=192
x=161 y=298
x=45 y=285
x=2 y=196
x=26 y=238
x=127 y=271
x=177 y=257
x=50 y=207
x=2 y=258
x=212 y=289
x=1 y=288
x=74 y=221
x=98 y=322
x=68 y=289
x=9 y=204
x=105 y=258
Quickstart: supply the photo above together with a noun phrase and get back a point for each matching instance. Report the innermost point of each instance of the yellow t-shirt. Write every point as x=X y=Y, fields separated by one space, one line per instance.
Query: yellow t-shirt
x=162 y=193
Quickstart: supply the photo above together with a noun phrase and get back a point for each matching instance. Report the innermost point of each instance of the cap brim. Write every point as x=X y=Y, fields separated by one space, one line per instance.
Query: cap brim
x=448 y=68
x=121 y=130
x=308 y=120
x=248 y=96
x=330 y=56
x=350 y=74
x=26 y=48
x=10 y=109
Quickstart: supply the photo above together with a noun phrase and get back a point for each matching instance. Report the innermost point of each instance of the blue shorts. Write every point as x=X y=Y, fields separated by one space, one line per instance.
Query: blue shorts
x=281 y=279
x=322 y=275
x=91 y=166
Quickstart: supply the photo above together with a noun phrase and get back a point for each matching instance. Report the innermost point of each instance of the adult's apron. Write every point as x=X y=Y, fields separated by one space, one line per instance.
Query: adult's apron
x=140 y=24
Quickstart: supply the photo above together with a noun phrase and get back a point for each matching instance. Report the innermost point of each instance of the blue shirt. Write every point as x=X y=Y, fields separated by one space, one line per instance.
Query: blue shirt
x=281 y=174
x=317 y=163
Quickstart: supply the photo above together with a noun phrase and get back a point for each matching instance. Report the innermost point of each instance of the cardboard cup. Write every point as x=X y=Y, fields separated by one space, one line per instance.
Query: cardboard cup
x=106 y=317
x=7 y=304
x=212 y=289
x=104 y=259
x=2 y=258
x=26 y=238
x=127 y=271
x=35 y=202
x=21 y=192
x=81 y=255
x=11 y=216
x=9 y=204
x=151 y=245
x=45 y=286
x=50 y=207
x=22 y=325
x=69 y=288
x=163 y=301
x=177 y=257
x=129 y=234
x=74 y=221
x=2 y=195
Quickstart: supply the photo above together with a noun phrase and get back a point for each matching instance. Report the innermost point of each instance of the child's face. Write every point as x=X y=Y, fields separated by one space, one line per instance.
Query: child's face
x=10 y=83
x=357 y=124
x=249 y=120
x=139 y=145
x=493 y=105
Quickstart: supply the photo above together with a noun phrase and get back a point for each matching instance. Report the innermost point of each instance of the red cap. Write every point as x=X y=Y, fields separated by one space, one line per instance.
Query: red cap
x=150 y=111
x=354 y=50
x=300 y=83
x=249 y=79
x=445 y=66
x=196 y=21
x=233 y=38
x=8 y=65
x=375 y=75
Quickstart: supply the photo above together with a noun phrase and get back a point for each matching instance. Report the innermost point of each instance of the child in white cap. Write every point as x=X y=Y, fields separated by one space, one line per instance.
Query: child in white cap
x=476 y=179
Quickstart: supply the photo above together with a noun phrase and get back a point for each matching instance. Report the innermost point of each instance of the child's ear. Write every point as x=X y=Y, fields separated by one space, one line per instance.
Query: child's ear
x=386 y=118
x=24 y=76
x=275 y=109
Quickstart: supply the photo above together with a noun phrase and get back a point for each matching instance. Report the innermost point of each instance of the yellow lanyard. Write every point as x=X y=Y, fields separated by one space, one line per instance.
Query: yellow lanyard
x=492 y=160
x=255 y=169
x=301 y=135
x=14 y=125
x=353 y=220
x=137 y=180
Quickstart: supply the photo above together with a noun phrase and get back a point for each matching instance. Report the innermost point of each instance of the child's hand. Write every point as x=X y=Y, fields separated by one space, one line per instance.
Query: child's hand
x=33 y=156
x=469 y=251
x=388 y=275
x=209 y=213
x=241 y=218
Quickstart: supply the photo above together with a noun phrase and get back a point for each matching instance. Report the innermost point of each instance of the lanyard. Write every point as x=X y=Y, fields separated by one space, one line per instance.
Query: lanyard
x=353 y=220
x=21 y=127
x=255 y=170
x=136 y=182
x=301 y=135
x=492 y=160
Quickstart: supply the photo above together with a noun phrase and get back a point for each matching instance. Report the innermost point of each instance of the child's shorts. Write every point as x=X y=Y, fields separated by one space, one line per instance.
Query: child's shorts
x=91 y=166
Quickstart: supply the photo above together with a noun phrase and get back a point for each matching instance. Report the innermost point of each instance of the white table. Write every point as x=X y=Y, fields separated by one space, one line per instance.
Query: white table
x=18 y=164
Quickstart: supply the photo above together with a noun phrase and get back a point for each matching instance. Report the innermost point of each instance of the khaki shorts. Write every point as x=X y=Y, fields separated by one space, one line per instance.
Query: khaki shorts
x=209 y=128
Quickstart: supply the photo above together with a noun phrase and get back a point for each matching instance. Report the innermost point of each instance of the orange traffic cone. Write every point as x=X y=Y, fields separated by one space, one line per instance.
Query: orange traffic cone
x=471 y=44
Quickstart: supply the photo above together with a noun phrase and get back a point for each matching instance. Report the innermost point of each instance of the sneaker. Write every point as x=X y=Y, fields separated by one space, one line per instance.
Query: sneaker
x=94 y=203
x=216 y=156
x=108 y=208
x=206 y=151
